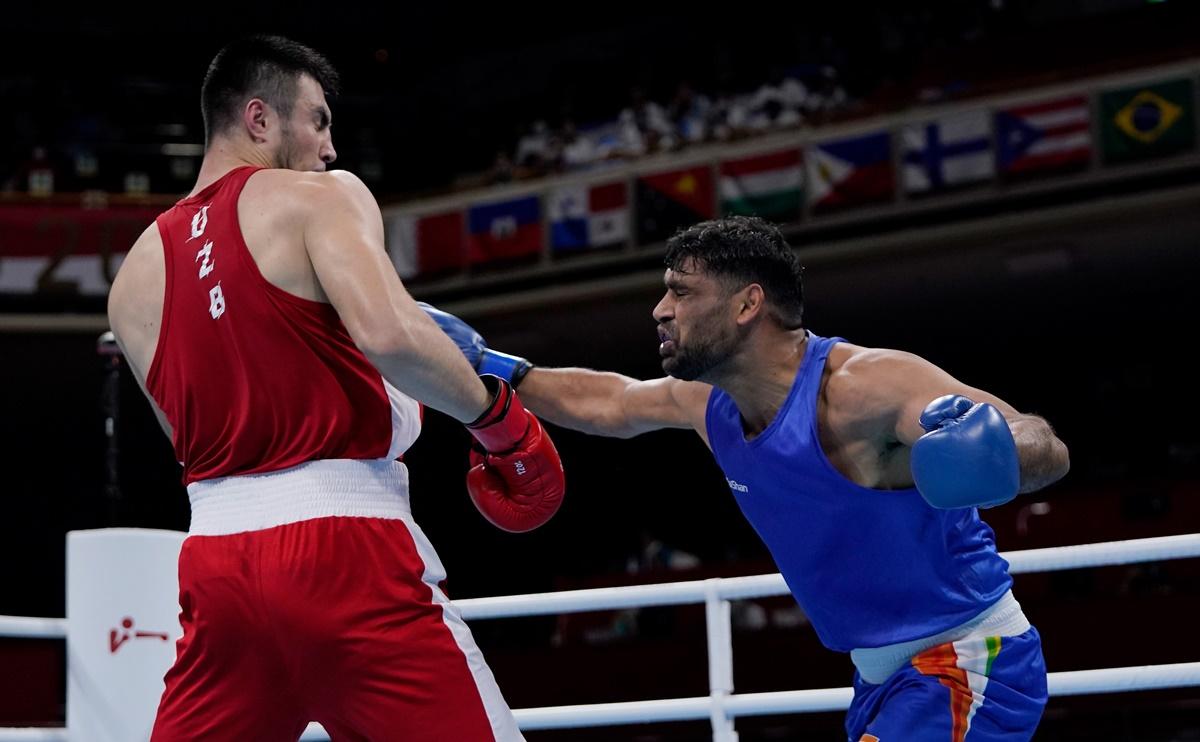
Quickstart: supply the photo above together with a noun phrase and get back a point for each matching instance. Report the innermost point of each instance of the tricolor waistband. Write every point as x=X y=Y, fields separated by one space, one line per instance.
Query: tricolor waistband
x=316 y=489
x=1003 y=618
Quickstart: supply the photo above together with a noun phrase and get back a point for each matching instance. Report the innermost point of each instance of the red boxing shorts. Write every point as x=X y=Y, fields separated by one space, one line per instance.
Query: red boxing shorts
x=311 y=595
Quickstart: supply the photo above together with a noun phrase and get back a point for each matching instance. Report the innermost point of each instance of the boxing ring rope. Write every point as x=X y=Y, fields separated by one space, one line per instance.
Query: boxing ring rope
x=722 y=705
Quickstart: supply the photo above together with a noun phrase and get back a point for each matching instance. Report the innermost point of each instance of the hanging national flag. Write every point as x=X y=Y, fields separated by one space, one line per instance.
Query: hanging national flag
x=584 y=216
x=501 y=230
x=850 y=172
x=66 y=250
x=668 y=201
x=949 y=152
x=1048 y=136
x=767 y=185
x=1148 y=121
x=427 y=245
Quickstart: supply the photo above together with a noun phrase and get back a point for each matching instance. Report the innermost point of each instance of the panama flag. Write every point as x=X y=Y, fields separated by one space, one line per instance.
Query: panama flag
x=948 y=152
x=766 y=185
x=850 y=172
x=583 y=216
x=1046 y=136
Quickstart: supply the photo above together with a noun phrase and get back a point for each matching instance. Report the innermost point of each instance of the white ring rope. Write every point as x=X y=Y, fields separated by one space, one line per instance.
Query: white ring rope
x=761 y=586
x=1109 y=680
x=40 y=734
x=731 y=588
x=33 y=628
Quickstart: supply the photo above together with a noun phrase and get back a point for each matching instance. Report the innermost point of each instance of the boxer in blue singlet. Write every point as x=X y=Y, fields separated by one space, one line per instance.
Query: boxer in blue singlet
x=815 y=433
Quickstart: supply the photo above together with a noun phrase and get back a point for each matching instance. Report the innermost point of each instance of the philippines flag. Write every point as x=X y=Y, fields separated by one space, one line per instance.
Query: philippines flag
x=1050 y=135
x=502 y=230
x=583 y=216
x=948 y=152
x=850 y=172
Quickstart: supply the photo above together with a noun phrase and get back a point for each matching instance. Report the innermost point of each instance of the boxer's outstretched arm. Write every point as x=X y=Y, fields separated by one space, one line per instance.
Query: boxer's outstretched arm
x=343 y=235
x=604 y=403
x=593 y=402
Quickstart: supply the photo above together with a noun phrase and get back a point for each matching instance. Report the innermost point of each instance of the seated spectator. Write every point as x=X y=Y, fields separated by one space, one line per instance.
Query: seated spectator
x=532 y=149
x=689 y=112
x=578 y=152
x=630 y=140
x=503 y=170
x=827 y=97
x=777 y=103
x=35 y=175
x=651 y=122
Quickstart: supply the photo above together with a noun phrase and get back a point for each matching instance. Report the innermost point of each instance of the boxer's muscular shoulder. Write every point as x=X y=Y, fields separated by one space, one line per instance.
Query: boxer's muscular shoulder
x=861 y=386
x=294 y=196
x=280 y=209
x=333 y=189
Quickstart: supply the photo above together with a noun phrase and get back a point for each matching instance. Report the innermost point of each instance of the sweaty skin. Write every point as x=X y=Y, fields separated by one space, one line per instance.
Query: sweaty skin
x=317 y=235
x=868 y=410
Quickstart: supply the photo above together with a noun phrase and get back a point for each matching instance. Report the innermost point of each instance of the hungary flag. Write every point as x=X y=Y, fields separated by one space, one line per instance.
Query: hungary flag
x=766 y=185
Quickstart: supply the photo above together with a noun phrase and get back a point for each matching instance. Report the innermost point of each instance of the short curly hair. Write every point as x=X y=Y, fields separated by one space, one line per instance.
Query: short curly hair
x=740 y=250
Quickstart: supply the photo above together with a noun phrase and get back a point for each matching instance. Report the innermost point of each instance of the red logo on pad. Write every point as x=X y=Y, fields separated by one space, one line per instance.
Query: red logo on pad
x=116 y=637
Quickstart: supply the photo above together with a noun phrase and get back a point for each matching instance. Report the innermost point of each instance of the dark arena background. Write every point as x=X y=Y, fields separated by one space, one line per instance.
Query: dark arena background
x=1008 y=188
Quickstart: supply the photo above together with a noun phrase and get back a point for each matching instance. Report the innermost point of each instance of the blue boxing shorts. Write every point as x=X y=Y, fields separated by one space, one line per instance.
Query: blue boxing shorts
x=990 y=689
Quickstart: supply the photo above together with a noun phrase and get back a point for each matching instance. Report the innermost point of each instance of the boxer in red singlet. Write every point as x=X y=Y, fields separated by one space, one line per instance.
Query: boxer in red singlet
x=287 y=363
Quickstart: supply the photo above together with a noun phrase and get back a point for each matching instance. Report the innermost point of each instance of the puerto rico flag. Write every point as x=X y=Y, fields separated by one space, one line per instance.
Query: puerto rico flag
x=583 y=216
x=502 y=230
x=1046 y=136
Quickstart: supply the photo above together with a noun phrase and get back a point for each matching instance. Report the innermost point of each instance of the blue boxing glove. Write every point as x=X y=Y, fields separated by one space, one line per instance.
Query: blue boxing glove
x=968 y=457
x=485 y=360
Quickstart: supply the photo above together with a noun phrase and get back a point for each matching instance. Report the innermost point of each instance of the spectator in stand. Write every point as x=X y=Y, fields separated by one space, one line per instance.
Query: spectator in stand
x=689 y=113
x=630 y=141
x=35 y=175
x=503 y=170
x=578 y=152
x=533 y=148
x=724 y=107
x=828 y=96
x=777 y=103
x=650 y=120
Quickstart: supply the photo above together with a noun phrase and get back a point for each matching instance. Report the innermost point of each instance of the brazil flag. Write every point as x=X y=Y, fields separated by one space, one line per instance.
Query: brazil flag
x=1148 y=121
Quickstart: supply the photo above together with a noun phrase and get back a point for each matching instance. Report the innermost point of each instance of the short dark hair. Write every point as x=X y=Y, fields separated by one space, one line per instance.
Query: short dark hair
x=740 y=250
x=267 y=67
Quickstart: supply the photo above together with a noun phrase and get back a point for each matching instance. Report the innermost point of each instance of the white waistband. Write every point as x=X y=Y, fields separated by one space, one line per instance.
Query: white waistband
x=1003 y=618
x=316 y=489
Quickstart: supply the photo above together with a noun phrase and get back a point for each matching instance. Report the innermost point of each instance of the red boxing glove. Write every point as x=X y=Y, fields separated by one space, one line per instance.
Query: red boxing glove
x=516 y=480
